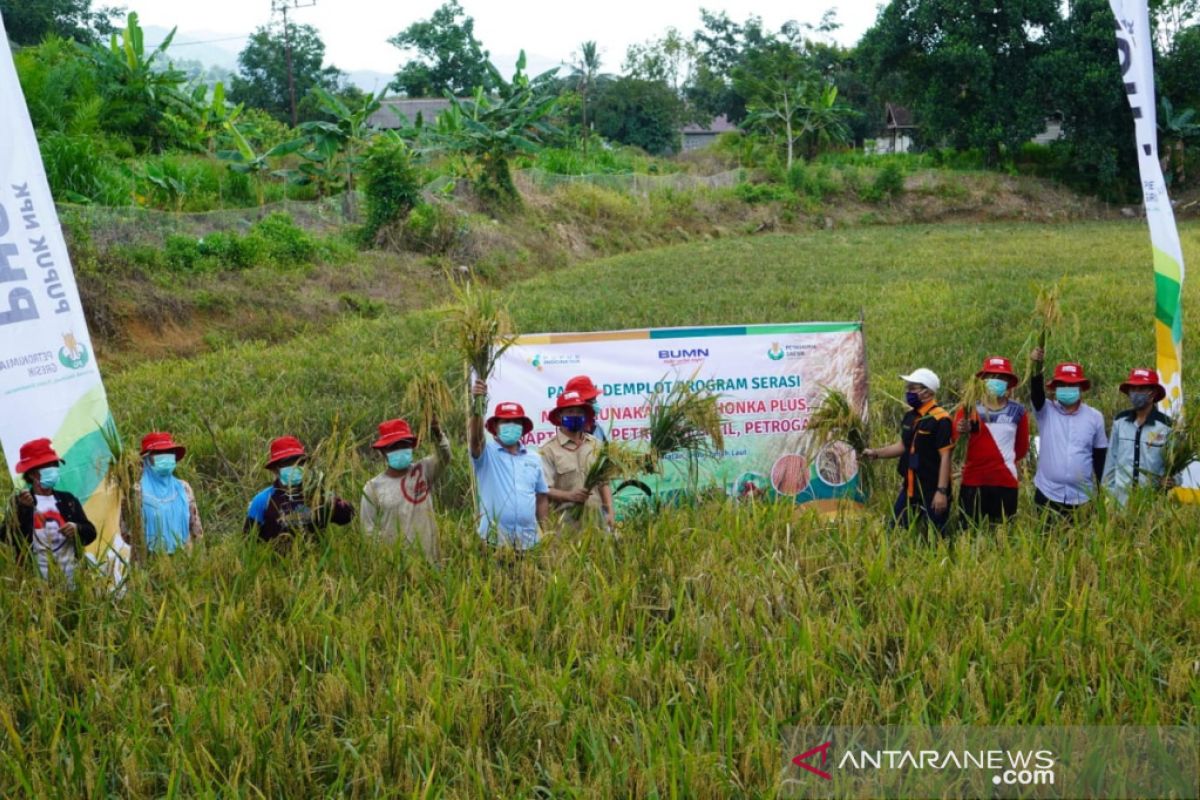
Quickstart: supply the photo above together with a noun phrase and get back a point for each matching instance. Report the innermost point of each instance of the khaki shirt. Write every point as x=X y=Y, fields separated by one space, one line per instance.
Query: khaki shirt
x=566 y=463
x=393 y=507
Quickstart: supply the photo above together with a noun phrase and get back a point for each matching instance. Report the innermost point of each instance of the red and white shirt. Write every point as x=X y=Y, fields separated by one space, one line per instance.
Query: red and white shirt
x=995 y=450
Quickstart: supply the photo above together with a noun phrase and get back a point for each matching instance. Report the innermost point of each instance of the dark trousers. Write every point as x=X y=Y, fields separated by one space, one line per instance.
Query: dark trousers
x=990 y=503
x=1059 y=509
x=913 y=511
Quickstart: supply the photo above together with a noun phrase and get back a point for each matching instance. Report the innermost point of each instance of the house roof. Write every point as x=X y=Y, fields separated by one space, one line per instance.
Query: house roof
x=390 y=107
x=717 y=125
x=898 y=117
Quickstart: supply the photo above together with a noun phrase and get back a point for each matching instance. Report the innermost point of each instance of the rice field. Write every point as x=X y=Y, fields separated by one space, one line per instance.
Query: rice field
x=664 y=663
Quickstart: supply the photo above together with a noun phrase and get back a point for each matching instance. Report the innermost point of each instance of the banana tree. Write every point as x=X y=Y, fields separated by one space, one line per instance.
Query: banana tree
x=492 y=129
x=246 y=160
x=1176 y=127
x=334 y=147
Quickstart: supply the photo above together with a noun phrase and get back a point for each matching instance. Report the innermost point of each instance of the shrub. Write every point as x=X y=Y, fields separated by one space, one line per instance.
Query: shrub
x=81 y=169
x=390 y=182
x=431 y=228
x=755 y=193
x=283 y=243
x=183 y=254
x=888 y=184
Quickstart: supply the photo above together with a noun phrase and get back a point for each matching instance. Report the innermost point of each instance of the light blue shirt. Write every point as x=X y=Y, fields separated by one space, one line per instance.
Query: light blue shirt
x=1064 y=465
x=508 y=488
x=257 y=510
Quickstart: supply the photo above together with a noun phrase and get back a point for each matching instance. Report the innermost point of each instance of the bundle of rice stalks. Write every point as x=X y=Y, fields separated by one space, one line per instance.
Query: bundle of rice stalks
x=835 y=420
x=973 y=393
x=124 y=476
x=482 y=330
x=1183 y=445
x=427 y=398
x=683 y=420
x=613 y=461
x=1046 y=312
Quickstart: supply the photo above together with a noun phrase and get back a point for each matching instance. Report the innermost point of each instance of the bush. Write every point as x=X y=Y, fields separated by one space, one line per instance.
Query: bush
x=81 y=169
x=431 y=228
x=390 y=182
x=755 y=193
x=888 y=184
x=283 y=243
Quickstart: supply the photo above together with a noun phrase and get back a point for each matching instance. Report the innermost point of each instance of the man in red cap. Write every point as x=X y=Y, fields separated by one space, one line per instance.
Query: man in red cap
x=567 y=457
x=283 y=509
x=589 y=393
x=1073 y=445
x=1138 y=440
x=396 y=502
x=49 y=521
x=170 y=518
x=998 y=429
x=513 y=500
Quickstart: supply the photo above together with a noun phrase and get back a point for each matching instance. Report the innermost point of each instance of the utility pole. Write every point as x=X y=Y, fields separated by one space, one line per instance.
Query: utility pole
x=282 y=6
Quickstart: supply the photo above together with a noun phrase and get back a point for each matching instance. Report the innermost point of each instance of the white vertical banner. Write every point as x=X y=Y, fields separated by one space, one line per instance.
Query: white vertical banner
x=49 y=382
x=1135 y=52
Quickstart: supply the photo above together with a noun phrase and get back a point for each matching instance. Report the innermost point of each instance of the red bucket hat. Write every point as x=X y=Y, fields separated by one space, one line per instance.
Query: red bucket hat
x=161 y=442
x=38 y=453
x=588 y=391
x=999 y=365
x=1140 y=376
x=283 y=448
x=509 y=412
x=1071 y=374
x=569 y=399
x=392 y=431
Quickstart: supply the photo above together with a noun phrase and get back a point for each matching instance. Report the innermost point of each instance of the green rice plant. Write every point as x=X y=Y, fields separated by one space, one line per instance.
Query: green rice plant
x=482 y=331
x=1183 y=444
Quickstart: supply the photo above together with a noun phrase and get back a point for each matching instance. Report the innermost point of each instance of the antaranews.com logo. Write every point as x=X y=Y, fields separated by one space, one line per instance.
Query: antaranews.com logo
x=1050 y=762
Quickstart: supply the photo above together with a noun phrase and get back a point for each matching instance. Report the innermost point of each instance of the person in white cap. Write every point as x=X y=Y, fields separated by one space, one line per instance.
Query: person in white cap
x=926 y=442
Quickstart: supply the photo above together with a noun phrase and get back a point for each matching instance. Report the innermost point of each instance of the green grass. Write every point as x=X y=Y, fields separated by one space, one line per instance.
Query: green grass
x=663 y=664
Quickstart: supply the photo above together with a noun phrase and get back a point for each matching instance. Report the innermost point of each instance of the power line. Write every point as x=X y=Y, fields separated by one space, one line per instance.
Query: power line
x=206 y=41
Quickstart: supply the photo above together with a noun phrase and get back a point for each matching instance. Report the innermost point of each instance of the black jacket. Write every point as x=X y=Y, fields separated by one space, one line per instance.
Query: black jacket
x=18 y=528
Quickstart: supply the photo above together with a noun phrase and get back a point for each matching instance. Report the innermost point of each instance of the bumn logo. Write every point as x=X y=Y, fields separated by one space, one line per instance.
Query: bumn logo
x=72 y=354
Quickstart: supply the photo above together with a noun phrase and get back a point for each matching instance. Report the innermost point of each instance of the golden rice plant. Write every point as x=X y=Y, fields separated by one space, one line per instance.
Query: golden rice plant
x=427 y=398
x=1047 y=312
x=835 y=420
x=1183 y=445
x=683 y=419
x=124 y=476
x=482 y=331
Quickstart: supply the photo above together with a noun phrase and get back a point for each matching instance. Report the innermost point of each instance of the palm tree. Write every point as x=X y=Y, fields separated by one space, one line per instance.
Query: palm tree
x=584 y=70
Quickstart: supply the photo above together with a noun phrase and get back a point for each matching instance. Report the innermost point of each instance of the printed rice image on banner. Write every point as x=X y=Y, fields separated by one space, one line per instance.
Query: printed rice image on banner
x=49 y=381
x=769 y=379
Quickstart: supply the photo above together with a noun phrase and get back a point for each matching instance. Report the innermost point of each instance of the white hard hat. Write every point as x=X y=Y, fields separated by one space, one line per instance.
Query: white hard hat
x=926 y=377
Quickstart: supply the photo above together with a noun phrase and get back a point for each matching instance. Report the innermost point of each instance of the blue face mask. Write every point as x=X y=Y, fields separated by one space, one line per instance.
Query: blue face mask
x=997 y=387
x=163 y=464
x=509 y=433
x=400 y=459
x=48 y=476
x=1067 y=395
x=291 y=475
x=573 y=423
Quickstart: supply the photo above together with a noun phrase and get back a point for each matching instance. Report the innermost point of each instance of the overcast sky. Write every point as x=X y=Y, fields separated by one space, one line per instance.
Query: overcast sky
x=356 y=31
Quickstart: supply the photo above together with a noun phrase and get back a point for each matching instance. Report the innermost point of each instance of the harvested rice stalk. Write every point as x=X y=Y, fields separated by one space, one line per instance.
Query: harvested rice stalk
x=482 y=330
x=427 y=398
x=124 y=476
x=1183 y=444
x=835 y=420
x=683 y=419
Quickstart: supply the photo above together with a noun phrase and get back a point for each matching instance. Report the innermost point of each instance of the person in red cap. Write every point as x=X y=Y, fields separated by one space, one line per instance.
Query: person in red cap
x=567 y=457
x=513 y=501
x=283 y=509
x=49 y=521
x=1137 y=443
x=170 y=519
x=998 y=440
x=1073 y=444
x=590 y=393
x=396 y=501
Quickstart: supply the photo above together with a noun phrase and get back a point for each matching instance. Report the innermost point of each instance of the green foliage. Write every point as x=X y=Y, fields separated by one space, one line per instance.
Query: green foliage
x=262 y=78
x=391 y=182
x=274 y=241
x=598 y=161
x=755 y=193
x=431 y=228
x=495 y=127
x=450 y=60
x=81 y=169
x=888 y=184
x=641 y=113
x=28 y=22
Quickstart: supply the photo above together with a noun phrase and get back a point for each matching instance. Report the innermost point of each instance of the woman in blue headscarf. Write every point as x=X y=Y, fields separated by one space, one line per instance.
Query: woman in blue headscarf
x=170 y=519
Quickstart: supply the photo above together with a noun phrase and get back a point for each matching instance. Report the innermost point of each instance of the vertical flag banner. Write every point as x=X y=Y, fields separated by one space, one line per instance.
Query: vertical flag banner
x=1136 y=55
x=769 y=378
x=49 y=381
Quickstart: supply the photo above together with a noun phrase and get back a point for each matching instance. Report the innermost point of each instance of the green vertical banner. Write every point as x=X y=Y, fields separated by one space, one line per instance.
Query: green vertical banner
x=1136 y=55
x=49 y=381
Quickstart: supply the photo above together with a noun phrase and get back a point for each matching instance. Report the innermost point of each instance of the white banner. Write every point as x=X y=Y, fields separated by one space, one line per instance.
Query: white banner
x=1135 y=52
x=49 y=382
x=769 y=378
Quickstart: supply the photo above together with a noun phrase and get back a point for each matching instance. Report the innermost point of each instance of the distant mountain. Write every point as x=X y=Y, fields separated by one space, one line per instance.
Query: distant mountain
x=370 y=80
x=211 y=48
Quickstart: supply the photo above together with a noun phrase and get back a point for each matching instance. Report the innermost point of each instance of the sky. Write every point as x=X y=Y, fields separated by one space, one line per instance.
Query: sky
x=356 y=31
